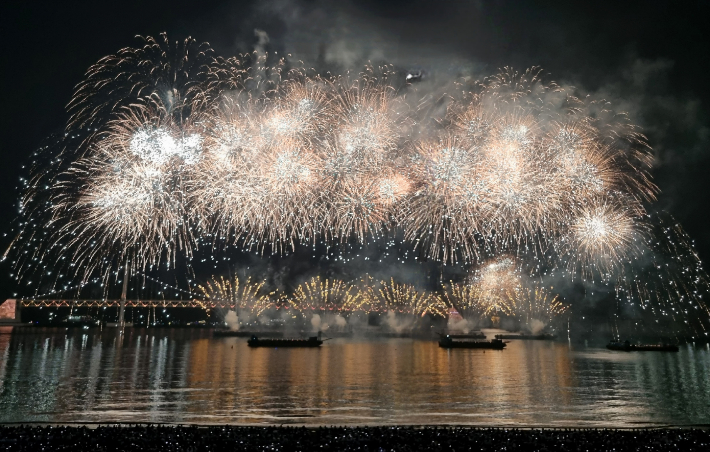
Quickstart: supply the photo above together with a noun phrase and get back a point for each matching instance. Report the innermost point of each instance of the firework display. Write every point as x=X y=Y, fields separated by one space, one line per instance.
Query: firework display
x=404 y=298
x=500 y=288
x=336 y=297
x=325 y=295
x=237 y=295
x=174 y=146
x=536 y=307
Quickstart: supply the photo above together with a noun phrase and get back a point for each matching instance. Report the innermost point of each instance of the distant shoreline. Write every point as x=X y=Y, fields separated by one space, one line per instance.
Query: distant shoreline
x=210 y=330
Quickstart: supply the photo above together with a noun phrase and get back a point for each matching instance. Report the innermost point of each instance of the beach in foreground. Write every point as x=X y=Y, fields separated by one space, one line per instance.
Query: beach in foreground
x=216 y=438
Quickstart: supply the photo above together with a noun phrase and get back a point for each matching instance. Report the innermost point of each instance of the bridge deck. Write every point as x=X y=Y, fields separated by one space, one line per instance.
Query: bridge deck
x=45 y=303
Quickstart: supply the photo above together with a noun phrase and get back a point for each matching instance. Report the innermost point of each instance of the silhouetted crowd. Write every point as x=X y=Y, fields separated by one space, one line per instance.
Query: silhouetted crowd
x=378 y=439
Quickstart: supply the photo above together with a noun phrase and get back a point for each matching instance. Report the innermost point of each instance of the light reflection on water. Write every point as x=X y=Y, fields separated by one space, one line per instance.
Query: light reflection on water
x=185 y=376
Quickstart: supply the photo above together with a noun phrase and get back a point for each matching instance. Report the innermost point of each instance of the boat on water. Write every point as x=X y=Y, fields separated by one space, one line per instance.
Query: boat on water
x=314 y=341
x=230 y=333
x=449 y=342
x=626 y=346
x=79 y=321
x=528 y=337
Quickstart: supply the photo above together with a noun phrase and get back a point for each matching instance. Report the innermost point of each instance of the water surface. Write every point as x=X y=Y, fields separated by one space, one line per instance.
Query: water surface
x=186 y=376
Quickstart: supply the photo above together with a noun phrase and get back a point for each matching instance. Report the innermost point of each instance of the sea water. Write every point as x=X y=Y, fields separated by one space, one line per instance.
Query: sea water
x=185 y=376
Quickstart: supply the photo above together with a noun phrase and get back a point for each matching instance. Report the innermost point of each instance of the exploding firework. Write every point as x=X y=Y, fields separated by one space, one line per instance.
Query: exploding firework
x=493 y=281
x=127 y=197
x=403 y=298
x=316 y=158
x=445 y=214
x=604 y=235
x=319 y=295
x=465 y=299
x=171 y=71
x=238 y=295
x=535 y=307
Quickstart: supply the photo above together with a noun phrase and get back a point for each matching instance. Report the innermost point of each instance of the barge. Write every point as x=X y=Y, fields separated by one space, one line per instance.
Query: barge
x=314 y=341
x=626 y=346
x=449 y=342
x=528 y=337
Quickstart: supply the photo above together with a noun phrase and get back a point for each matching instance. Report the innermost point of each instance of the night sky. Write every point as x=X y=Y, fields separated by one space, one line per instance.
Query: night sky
x=649 y=59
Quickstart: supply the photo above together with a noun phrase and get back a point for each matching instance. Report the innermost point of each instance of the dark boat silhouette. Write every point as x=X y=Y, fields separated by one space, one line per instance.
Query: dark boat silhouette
x=79 y=321
x=314 y=341
x=494 y=344
x=626 y=346
x=528 y=337
x=238 y=333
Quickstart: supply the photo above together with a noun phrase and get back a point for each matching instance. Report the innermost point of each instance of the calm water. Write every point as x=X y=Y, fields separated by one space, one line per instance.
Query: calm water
x=185 y=376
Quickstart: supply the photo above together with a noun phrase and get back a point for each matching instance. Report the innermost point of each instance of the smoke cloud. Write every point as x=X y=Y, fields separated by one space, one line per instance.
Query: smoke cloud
x=536 y=326
x=232 y=321
x=458 y=324
x=398 y=325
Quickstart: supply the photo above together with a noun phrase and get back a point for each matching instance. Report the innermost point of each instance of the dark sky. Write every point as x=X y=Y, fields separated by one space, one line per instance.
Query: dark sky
x=649 y=58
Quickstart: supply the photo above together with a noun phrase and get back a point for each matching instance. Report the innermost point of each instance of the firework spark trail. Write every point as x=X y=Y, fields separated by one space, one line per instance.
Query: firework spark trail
x=671 y=284
x=168 y=144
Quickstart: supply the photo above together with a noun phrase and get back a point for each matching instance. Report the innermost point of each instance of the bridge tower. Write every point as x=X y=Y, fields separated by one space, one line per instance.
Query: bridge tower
x=122 y=302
